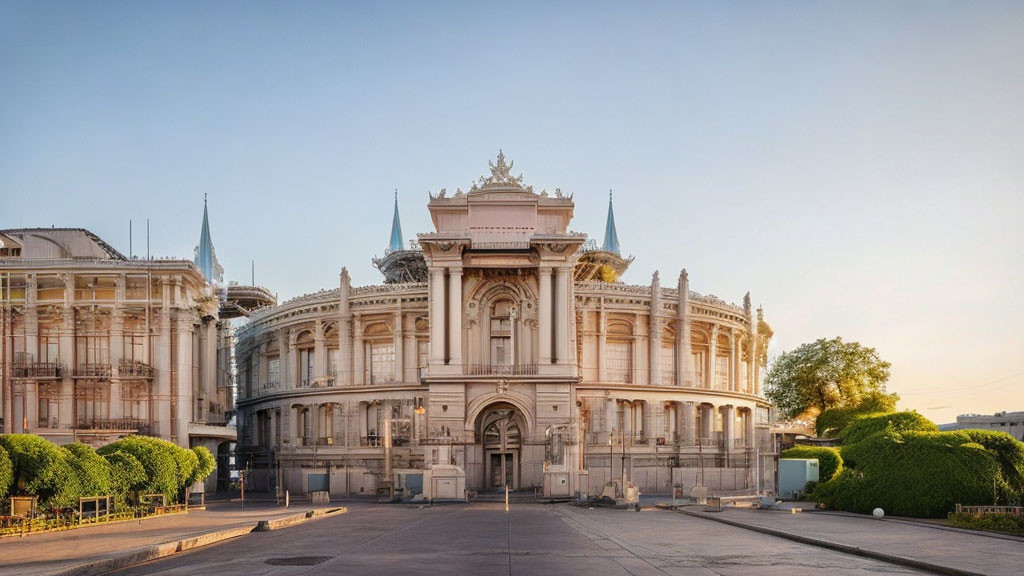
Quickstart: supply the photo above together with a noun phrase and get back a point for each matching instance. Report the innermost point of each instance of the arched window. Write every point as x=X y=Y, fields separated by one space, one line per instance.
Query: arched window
x=501 y=333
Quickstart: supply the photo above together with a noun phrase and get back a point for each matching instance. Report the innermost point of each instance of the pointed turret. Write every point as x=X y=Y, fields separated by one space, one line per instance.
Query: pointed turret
x=396 y=242
x=205 y=256
x=611 y=237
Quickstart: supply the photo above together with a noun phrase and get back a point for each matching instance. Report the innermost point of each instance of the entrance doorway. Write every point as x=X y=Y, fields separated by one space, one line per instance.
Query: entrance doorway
x=502 y=438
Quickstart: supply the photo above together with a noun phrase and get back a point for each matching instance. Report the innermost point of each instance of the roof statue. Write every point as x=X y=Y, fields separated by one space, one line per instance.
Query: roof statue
x=206 y=257
x=611 y=237
x=396 y=243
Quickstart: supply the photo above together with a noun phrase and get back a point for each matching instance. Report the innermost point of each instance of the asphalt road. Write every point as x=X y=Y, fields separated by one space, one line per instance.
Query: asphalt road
x=541 y=539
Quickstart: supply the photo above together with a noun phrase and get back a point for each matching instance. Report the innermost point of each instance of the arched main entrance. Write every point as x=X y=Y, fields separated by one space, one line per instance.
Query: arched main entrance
x=500 y=428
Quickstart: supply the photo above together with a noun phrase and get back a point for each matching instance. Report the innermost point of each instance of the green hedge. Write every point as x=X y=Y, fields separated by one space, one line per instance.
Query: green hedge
x=914 y=474
x=6 y=473
x=867 y=424
x=92 y=469
x=1009 y=453
x=830 y=462
x=43 y=469
x=990 y=522
x=127 y=476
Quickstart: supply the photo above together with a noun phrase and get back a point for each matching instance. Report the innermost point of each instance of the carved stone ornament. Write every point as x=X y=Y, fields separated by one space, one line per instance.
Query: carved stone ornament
x=445 y=246
x=500 y=173
x=558 y=247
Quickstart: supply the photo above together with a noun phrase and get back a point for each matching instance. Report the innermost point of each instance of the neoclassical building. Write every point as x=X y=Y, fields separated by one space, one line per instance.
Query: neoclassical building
x=97 y=345
x=502 y=349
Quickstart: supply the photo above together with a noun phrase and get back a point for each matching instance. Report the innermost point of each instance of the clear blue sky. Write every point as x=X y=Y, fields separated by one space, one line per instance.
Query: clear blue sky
x=858 y=166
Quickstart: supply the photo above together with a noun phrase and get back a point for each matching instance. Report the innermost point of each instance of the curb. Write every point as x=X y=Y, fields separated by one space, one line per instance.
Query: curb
x=846 y=548
x=162 y=550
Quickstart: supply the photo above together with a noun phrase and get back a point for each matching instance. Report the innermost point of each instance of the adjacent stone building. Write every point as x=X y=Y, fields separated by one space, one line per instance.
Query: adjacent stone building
x=97 y=345
x=503 y=346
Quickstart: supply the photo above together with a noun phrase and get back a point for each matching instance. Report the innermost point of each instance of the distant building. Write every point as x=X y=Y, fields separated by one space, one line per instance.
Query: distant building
x=97 y=345
x=503 y=344
x=1010 y=422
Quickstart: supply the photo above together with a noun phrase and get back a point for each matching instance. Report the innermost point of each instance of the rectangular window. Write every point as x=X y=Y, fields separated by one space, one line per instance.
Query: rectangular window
x=307 y=366
x=133 y=342
x=332 y=356
x=697 y=361
x=92 y=349
x=722 y=373
x=92 y=404
x=382 y=363
x=274 y=373
x=667 y=365
x=620 y=361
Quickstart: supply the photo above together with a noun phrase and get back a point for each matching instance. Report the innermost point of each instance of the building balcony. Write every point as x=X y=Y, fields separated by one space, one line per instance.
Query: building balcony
x=135 y=369
x=38 y=370
x=501 y=369
x=136 y=425
x=93 y=371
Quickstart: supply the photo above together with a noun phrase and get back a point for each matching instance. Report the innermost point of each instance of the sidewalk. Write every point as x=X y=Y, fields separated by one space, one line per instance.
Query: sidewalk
x=921 y=545
x=57 y=552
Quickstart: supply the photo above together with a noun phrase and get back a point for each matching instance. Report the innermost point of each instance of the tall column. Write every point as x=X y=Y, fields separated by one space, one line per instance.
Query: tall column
x=66 y=339
x=319 y=350
x=345 y=349
x=293 y=361
x=399 y=346
x=116 y=353
x=32 y=347
x=654 y=332
x=455 y=317
x=713 y=357
x=611 y=415
x=163 y=368
x=437 y=316
x=544 y=315
x=684 y=370
x=748 y=427
x=689 y=423
x=602 y=343
x=282 y=357
x=729 y=425
x=358 y=352
x=185 y=370
x=561 y=308
x=734 y=360
x=753 y=386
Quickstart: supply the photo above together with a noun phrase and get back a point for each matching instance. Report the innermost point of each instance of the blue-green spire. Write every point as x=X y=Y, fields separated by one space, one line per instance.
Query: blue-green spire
x=396 y=243
x=206 y=257
x=611 y=238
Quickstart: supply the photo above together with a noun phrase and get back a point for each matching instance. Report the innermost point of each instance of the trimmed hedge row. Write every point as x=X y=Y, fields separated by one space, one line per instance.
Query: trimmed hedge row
x=59 y=475
x=1004 y=523
x=830 y=462
x=865 y=425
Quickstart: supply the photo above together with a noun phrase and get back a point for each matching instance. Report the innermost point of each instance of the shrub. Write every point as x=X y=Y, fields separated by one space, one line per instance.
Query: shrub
x=913 y=474
x=868 y=424
x=1009 y=453
x=990 y=522
x=92 y=469
x=186 y=462
x=6 y=473
x=157 y=459
x=206 y=464
x=832 y=421
x=829 y=460
x=43 y=469
x=127 y=475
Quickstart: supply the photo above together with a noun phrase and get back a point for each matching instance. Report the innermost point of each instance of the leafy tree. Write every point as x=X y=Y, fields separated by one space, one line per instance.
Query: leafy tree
x=825 y=374
x=127 y=475
x=206 y=466
x=43 y=469
x=6 y=473
x=157 y=459
x=92 y=469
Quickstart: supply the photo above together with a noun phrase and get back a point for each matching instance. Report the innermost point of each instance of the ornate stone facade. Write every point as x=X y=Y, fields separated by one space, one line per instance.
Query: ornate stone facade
x=509 y=362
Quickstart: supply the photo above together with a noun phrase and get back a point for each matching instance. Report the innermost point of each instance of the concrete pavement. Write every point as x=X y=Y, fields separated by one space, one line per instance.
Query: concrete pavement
x=541 y=539
x=60 y=552
x=927 y=546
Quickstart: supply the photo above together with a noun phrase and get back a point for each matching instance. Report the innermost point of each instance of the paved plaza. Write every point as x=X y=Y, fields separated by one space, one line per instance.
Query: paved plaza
x=461 y=539
x=540 y=539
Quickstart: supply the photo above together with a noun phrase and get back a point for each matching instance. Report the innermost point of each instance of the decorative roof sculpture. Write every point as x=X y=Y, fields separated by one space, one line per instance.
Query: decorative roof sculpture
x=611 y=237
x=400 y=264
x=396 y=242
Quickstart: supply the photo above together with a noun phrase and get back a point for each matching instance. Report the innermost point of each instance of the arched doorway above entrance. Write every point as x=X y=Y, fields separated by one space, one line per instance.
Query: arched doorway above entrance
x=500 y=429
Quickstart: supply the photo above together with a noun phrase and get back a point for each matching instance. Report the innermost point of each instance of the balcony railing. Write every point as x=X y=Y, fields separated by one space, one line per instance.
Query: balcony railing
x=135 y=369
x=92 y=371
x=38 y=370
x=501 y=369
x=117 y=424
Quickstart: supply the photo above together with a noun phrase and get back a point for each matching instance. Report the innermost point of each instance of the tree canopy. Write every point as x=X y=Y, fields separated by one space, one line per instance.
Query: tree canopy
x=826 y=374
